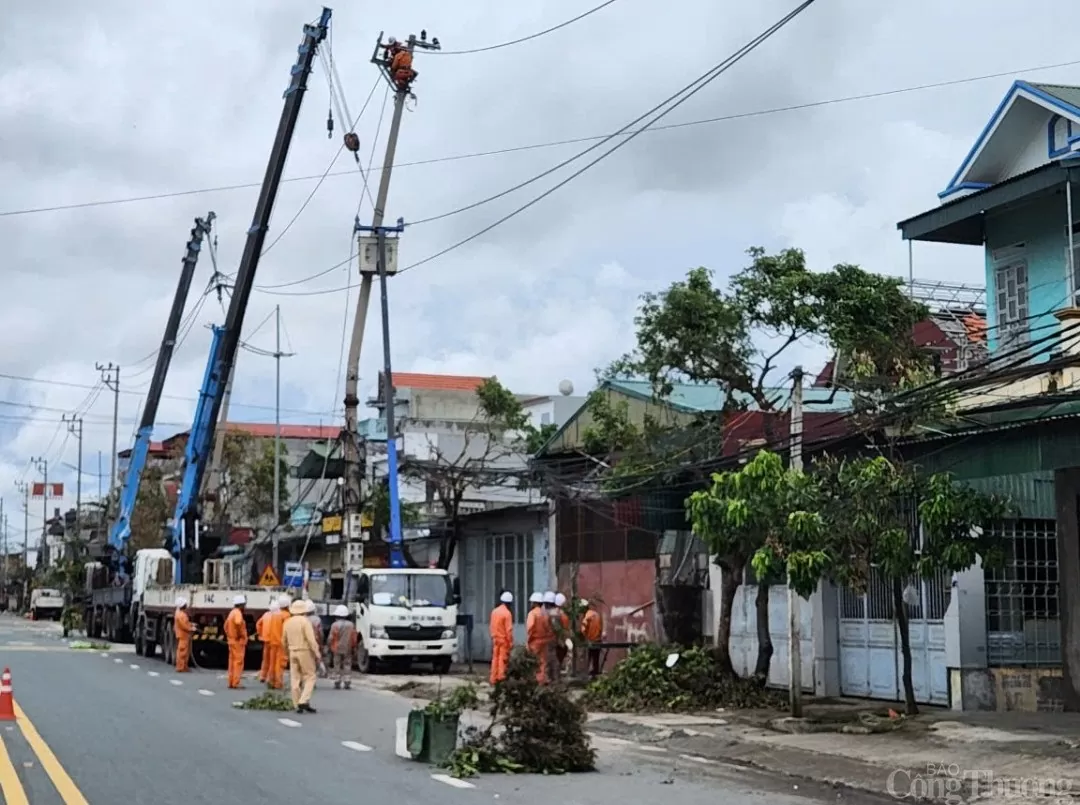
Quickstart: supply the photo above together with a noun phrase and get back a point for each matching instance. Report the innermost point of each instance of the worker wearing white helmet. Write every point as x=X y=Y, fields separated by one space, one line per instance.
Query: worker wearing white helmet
x=262 y=629
x=549 y=599
x=182 y=630
x=342 y=642
x=560 y=622
x=539 y=634
x=278 y=659
x=501 y=629
x=535 y=600
x=236 y=635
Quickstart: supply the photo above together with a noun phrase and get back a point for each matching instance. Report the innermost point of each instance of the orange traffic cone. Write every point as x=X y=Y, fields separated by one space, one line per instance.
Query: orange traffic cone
x=7 y=702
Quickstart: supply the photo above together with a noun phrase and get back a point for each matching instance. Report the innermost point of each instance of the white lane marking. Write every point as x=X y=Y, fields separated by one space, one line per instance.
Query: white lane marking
x=652 y=748
x=697 y=759
x=356 y=747
x=153 y=673
x=615 y=741
x=118 y=661
x=105 y=654
x=452 y=781
x=134 y=667
x=175 y=682
x=203 y=692
x=288 y=722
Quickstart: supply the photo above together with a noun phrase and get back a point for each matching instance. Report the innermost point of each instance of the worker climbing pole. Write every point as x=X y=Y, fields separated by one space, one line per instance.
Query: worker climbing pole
x=394 y=60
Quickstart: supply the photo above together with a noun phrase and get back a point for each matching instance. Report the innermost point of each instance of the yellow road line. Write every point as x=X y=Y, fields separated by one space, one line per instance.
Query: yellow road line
x=62 y=782
x=10 y=785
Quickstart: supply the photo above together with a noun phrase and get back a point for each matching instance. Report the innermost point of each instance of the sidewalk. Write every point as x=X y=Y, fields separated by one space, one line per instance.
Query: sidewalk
x=938 y=756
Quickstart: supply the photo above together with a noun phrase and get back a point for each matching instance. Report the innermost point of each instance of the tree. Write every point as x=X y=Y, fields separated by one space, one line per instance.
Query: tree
x=741 y=511
x=252 y=477
x=865 y=511
x=151 y=512
x=487 y=452
x=736 y=338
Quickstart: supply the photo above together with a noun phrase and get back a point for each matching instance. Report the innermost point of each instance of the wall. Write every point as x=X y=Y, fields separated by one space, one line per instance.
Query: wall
x=625 y=593
x=1005 y=690
x=1067 y=484
x=1039 y=224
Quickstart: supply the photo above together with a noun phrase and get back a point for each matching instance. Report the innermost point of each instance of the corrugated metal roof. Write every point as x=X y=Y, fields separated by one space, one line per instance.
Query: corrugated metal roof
x=702 y=397
x=1065 y=93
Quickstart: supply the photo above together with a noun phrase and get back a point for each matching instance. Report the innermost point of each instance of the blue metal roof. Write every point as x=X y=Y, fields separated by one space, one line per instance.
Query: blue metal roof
x=703 y=397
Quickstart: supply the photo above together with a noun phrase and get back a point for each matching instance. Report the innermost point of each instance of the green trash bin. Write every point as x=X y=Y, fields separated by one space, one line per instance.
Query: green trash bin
x=430 y=739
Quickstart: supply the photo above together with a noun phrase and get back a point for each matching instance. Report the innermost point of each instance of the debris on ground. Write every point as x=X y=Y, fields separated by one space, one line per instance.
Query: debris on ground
x=91 y=645
x=645 y=682
x=461 y=698
x=534 y=729
x=271 y=700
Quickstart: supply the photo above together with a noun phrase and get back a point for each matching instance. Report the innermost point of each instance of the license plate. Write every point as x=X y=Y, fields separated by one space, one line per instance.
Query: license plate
x=416 y=646
x=209 y=630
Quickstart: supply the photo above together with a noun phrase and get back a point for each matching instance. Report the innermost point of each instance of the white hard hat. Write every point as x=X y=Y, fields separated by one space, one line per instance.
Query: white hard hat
x=583 y=602
x=310 y=605
x=536 y=598
x=507 y=597
x=549 y=597
x=560 y=599
x=181 y=602
x=341 y=611
x=239 y=601
x=284 y=602
x=275 y=606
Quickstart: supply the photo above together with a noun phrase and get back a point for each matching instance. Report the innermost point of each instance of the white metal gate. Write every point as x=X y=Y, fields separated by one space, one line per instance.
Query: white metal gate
x=871 y=661
x=492 y=564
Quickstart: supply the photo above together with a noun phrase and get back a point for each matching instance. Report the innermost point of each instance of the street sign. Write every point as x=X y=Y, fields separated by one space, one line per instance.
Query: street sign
x=294 y=574
x=269 y=578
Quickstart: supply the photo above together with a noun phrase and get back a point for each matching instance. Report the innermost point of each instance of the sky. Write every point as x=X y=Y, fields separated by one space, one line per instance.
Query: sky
x=110 y=101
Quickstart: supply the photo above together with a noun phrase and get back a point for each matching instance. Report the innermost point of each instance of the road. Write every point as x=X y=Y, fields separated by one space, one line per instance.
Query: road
x=106 y=727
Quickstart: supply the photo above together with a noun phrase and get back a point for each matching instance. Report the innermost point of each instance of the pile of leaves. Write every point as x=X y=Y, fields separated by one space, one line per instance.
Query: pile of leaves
x=271 y=700
x=535 y=729
x=460 y=699
x=89 y=645
x=642 y=682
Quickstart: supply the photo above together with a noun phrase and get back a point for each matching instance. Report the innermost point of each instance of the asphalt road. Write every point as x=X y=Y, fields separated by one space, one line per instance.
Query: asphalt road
x=107 y=727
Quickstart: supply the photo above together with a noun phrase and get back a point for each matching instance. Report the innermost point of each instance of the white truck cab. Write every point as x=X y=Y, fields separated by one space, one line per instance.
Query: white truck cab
x=46 y=602
x=406 y=615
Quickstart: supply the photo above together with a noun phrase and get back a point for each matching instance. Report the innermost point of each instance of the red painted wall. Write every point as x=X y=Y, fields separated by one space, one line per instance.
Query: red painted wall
x=625 y=593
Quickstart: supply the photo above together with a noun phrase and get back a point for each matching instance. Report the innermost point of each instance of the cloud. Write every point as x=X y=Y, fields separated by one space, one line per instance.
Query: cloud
x=120 y=101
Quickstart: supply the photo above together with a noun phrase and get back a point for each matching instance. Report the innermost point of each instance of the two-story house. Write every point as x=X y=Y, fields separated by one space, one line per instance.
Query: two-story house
x=1013 y=195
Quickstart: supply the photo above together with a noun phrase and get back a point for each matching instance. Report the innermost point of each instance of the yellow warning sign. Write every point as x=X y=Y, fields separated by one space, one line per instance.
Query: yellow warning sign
x=269 y=578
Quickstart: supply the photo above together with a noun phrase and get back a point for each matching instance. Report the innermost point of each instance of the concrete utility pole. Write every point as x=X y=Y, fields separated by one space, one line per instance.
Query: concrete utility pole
x=110 y=376
x=794 y=621
x=350 y=446
x=278 y=355
x=43 y=467
x=24 y=487
x=75 y=426
x=3 y=538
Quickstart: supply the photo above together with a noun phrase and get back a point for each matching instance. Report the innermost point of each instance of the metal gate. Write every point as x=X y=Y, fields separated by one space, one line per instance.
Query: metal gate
x=871 y=660
x=493 y=564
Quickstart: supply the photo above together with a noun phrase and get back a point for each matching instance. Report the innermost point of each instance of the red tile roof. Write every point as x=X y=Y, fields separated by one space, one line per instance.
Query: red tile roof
x=261 y=430
x=418 y=380
x=156 y=449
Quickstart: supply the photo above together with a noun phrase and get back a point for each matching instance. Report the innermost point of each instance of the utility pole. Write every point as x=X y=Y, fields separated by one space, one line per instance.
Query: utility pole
x=110 y=376
x=99 y=476
x=386 y=264
x=402 y=85
x=24 y=487
x=794 y=610
x=3 y=538
x=75 y=426
x=278 y=354
x=43 y=467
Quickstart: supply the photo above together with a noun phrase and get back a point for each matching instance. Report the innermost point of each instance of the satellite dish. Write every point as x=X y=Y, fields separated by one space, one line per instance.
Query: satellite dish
x=566 y=388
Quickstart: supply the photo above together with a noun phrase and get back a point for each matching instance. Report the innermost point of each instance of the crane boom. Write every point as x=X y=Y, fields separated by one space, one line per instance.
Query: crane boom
x=226 y=339
x=120 y=532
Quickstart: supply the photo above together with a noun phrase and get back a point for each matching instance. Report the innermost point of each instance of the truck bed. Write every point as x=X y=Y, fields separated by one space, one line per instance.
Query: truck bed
x=201 y=597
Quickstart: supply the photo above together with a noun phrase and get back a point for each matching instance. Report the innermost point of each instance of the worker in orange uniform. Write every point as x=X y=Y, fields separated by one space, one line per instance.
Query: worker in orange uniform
x=298 y=641
x=236 y=634
x=562 y=629
x=183 y=630
x=400 y=65
x=501 y=627
x=262 y=627
x=278 y=660
x=541 y=636
x=592 y=629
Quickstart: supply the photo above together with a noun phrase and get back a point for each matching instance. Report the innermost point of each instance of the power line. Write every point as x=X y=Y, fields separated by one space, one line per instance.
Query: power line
x=550 y=143
x=528 y=38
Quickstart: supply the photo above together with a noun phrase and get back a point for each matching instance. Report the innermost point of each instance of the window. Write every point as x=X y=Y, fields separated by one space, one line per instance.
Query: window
x=545 y=418
x=1011 y=296
x=1058 y=133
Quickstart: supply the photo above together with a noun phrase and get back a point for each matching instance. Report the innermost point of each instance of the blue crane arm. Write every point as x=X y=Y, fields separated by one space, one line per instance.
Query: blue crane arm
x=198 y=449
x=120 y=531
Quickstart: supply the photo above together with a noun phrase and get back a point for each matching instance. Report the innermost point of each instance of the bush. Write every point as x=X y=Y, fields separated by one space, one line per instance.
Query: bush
x=534 y=729
x=642 y=682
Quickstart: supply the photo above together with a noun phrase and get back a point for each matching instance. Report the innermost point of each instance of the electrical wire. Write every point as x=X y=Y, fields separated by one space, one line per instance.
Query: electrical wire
x=520 y=40
x=865 y=96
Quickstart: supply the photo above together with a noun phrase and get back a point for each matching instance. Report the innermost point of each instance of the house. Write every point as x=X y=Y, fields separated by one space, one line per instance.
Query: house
x=1011 y=636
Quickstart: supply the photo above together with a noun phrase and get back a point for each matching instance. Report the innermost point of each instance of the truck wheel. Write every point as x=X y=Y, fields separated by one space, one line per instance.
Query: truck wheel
x=168 y=648
x=441 y=665
x=365 y=663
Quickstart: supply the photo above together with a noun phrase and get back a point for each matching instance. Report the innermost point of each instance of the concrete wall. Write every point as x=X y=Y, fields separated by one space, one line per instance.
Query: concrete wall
x=1003 y=690
x=1040 y=225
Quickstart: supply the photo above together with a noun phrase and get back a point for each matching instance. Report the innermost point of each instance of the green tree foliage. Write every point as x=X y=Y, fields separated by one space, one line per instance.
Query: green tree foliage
x=251 y=473
x=151 y=512
x=863 y=520
x=489 y=451
x=737 y=337
x=740 y=513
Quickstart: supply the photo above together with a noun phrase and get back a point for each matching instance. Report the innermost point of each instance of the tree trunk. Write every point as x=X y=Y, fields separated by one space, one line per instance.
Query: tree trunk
x=901 y=615
x=764 y=639
x=730 y=576
x=448 y=546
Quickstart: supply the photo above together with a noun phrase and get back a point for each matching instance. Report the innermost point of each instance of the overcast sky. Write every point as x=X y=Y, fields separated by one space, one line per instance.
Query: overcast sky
x=108 y=100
